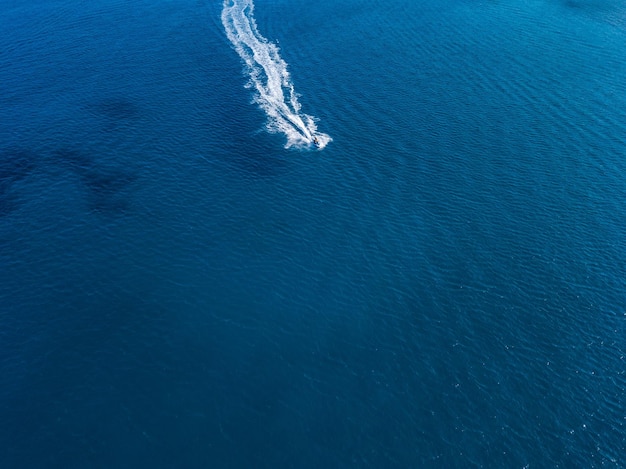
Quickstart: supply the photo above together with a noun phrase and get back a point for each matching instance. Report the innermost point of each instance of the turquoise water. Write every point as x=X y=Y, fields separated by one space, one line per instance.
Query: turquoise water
x=186 y=280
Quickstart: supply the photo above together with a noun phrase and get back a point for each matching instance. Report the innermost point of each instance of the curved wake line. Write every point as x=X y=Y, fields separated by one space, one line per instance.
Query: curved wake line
x=269 y=77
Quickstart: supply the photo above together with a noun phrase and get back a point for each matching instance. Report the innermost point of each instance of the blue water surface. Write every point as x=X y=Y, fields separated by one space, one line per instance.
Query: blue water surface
x=441 y=286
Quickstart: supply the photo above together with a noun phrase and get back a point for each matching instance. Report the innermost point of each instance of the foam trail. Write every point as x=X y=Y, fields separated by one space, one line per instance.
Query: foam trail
x=275 y=93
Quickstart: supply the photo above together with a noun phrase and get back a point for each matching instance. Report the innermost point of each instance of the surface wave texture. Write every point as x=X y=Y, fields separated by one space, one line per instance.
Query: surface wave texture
x=187 y=279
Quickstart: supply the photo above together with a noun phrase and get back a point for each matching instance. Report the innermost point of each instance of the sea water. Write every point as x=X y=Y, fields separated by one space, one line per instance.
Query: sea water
x=187 y=280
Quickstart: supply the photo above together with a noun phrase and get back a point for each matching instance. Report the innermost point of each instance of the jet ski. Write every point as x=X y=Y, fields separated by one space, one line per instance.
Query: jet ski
x=316 y=142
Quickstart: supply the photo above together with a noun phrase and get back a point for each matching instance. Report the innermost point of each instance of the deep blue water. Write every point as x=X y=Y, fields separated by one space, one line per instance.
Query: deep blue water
x=442 y=285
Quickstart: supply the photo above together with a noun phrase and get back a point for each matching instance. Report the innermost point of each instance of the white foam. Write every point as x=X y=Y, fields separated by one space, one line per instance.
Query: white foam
x=274 y=91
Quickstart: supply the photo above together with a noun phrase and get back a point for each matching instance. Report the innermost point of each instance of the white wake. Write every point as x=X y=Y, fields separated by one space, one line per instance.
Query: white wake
x=269 y=77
